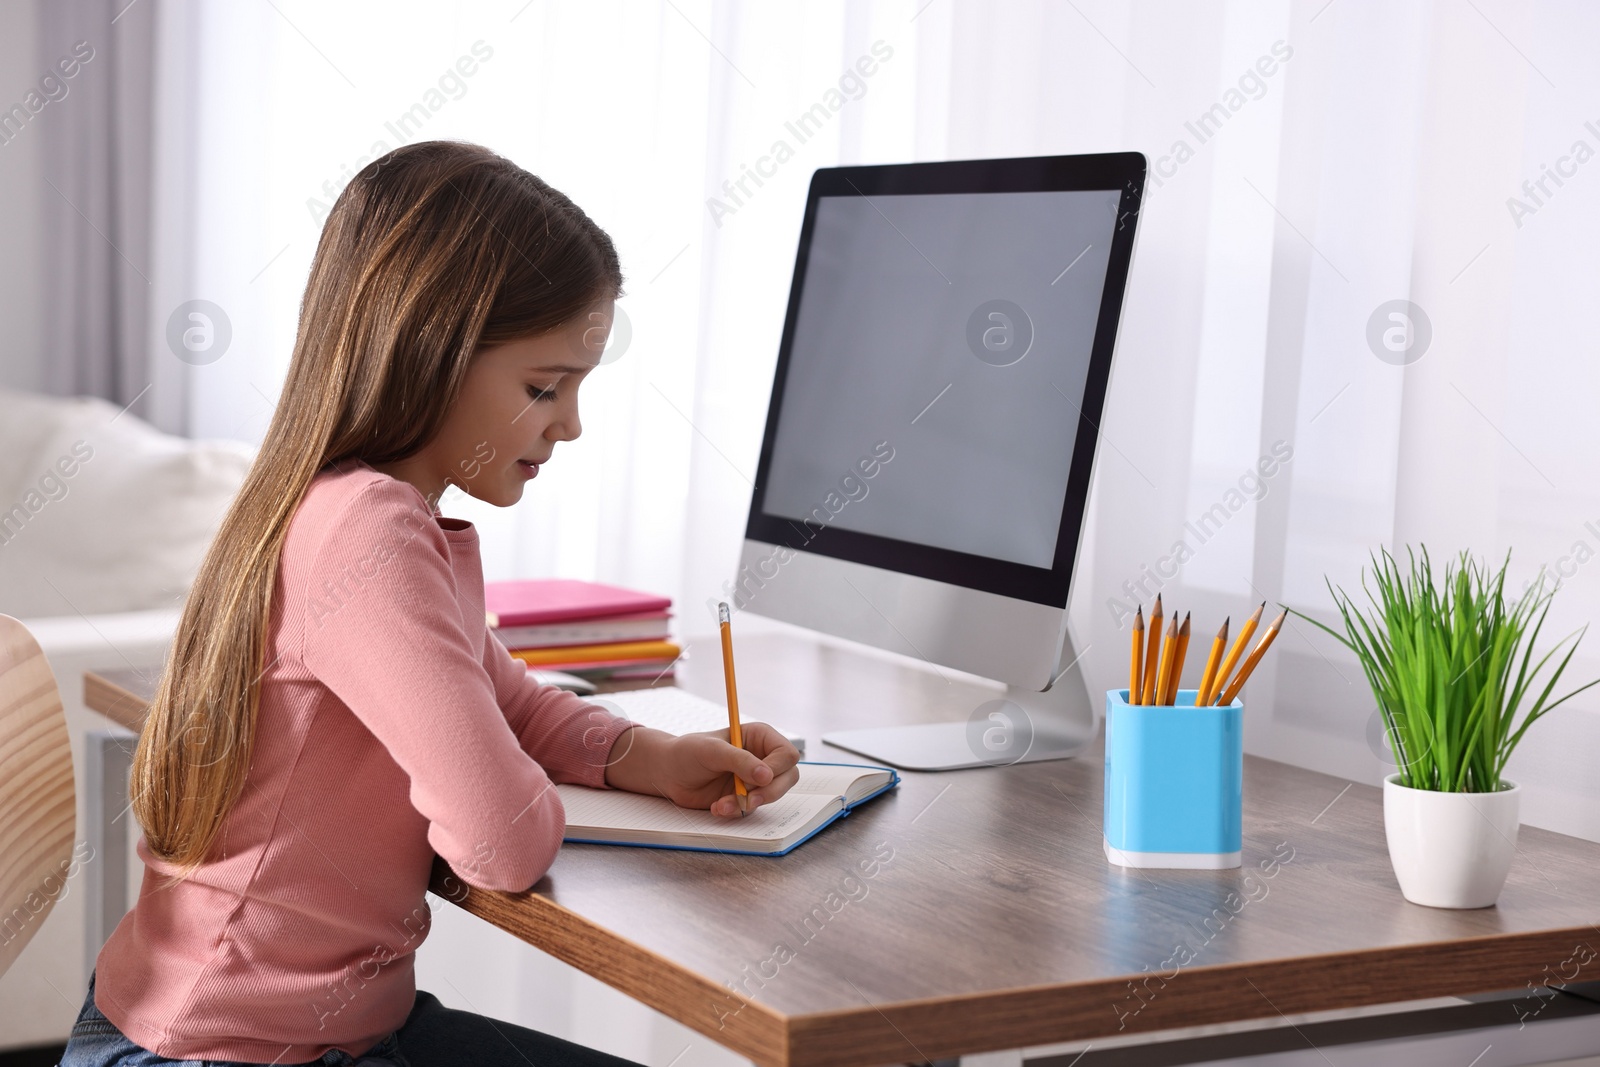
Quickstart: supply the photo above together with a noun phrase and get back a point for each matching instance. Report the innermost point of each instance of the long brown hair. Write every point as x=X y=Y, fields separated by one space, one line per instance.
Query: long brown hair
x=431 y=251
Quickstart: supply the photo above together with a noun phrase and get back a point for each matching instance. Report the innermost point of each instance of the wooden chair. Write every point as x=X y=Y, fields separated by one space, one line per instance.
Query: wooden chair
x=37 y=805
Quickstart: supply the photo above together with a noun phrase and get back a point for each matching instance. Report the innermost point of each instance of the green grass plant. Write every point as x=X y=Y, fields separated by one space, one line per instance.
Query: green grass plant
x=1450 y=664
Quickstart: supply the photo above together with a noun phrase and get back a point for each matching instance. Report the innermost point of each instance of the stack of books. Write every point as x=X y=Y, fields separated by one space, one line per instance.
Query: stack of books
x=599 y=632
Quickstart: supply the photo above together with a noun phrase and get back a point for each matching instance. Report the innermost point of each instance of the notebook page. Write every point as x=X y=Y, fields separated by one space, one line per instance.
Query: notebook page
x=657 y=816
x=833 y=780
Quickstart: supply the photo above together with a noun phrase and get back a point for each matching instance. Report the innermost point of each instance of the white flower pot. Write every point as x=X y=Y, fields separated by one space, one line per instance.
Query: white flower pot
x=1450 y=850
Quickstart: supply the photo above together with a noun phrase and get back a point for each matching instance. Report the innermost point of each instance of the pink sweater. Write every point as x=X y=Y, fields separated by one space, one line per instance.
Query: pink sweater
x=392 y=726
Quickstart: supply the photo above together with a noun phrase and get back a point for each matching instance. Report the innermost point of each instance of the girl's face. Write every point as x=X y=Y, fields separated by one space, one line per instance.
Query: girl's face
x=518 y=400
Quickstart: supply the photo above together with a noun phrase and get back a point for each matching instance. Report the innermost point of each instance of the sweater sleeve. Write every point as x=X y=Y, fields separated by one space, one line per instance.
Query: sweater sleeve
x=569 y=737
x=383 y=631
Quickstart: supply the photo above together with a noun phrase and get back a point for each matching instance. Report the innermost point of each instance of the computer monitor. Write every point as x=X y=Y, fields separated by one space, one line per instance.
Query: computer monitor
x=932 y=432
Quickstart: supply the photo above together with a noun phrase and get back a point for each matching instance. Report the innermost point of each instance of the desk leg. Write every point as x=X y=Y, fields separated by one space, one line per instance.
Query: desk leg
x=107 y=764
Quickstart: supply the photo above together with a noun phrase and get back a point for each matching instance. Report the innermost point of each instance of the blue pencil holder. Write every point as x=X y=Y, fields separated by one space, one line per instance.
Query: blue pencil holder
x=1174 y=783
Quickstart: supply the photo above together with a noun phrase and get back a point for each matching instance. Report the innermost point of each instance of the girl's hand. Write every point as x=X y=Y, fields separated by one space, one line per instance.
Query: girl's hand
x=698 y=770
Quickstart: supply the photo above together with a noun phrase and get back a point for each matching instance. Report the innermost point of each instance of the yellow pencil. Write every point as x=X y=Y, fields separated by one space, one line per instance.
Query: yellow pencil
x=1209 y=678
x=1255 y=657
x=1178 y=655
x=1169 y=645
x=1239 y=645
x=1147 y=693
x=1136 y=657
x=735 y=735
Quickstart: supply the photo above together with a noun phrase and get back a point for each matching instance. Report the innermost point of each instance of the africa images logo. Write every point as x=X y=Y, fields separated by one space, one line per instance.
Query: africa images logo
x=1399 y=332
x=199 y=332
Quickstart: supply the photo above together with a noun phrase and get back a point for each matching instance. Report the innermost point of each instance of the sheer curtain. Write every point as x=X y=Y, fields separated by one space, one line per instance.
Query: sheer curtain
x=1317 y=169
x=91 y=201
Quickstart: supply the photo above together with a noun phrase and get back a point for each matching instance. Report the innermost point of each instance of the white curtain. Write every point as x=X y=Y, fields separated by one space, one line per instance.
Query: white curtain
x=96 y=182
x=1312 y=163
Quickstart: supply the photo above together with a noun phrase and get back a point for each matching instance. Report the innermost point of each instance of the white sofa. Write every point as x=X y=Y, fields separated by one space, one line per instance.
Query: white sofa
x=103 y=522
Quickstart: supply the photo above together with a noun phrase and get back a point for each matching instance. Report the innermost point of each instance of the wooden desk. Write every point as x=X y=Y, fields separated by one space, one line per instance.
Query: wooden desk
x=998 y=923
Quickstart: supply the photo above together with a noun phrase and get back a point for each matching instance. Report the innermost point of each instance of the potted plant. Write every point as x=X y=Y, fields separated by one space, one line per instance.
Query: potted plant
x=1450 y=665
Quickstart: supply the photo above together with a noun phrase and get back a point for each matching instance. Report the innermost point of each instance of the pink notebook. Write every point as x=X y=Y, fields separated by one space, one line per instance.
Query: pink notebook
x=537 y=601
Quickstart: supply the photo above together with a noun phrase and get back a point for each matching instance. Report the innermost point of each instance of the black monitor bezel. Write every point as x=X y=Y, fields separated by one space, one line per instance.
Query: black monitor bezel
x=1124 y=171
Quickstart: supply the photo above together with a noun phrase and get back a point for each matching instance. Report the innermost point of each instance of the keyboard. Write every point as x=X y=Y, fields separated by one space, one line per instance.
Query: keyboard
x=677 y=711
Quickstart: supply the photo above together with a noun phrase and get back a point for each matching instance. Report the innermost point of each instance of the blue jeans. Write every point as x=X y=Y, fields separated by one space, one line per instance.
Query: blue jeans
x=431 y=1035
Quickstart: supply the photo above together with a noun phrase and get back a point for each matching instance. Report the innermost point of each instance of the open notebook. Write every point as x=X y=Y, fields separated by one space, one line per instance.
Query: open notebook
x=825 y=792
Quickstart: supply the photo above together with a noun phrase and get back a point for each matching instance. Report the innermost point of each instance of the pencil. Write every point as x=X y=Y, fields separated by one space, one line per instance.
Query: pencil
x=1239 y=645
x=1136 y=657
x=1178 y=655
x=1255 y=658
x=735 y=735
x=1209 y=678
x=1147 y=693
x=1169 y=645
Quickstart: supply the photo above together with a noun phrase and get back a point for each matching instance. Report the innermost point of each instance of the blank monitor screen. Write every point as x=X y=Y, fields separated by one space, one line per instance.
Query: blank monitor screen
x=902 y=337
x=961 y=317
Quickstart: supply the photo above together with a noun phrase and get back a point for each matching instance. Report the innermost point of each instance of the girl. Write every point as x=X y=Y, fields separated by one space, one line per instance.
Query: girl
x=334 y=711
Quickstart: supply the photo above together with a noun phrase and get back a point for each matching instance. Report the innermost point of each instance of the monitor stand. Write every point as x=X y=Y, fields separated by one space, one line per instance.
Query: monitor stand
x=1023 y=726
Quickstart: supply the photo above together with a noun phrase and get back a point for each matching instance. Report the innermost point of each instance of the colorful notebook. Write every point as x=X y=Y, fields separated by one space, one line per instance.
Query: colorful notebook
x=610 y=654
x=825 y=792
x=539 y=601
x=646 y=626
